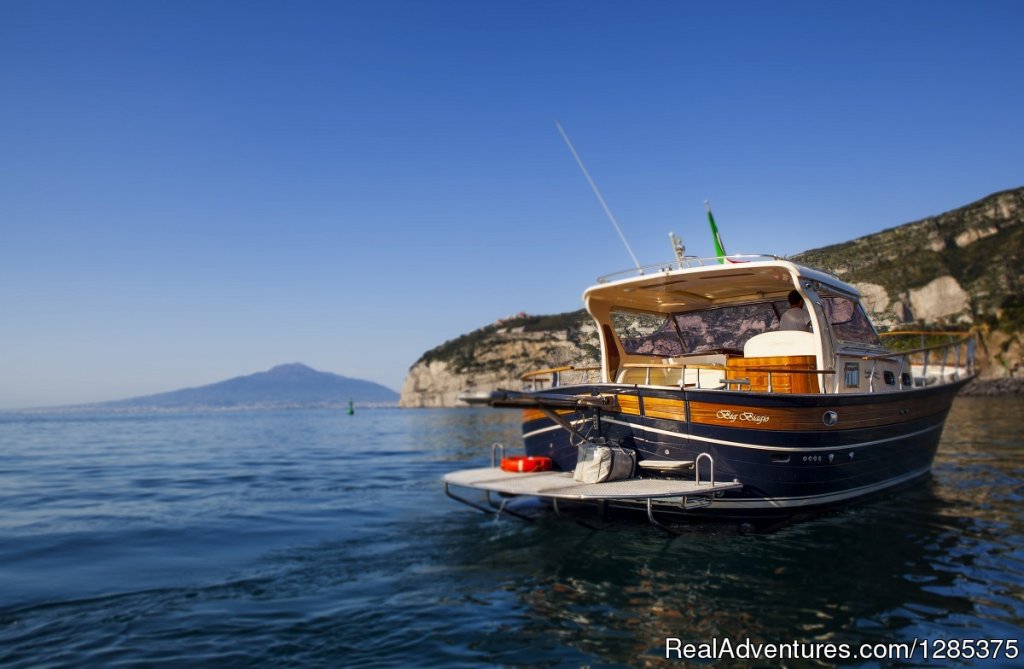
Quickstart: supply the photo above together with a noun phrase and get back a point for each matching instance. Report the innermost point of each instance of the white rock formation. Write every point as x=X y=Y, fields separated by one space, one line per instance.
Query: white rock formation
x=941 y=298
x=974 y=234
x=874 y=296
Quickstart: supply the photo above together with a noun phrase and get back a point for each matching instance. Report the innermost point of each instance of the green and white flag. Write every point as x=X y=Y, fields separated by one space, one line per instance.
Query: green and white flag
x=719 y=247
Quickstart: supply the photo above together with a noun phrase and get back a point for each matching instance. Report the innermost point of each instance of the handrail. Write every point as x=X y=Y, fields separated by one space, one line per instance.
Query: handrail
x=672 y=365
x=698 y=365
x=696 y=468
x=957 y=341
x=960 y=342
x=552 y=370
x=682 y=366
x=940 y=333
x=964 y=339
x=687 y=262
x=555 y=373
x=720 y=368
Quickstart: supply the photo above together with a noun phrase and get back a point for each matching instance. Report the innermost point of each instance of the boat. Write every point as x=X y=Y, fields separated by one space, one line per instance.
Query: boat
x=727 y=414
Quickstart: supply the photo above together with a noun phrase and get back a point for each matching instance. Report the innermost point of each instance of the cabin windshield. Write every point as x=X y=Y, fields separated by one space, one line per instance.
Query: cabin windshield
x=719 y=329
x=848 y=320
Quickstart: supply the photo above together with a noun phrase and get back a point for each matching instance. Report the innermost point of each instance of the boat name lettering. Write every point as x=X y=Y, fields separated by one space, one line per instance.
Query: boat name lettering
x=747 y=416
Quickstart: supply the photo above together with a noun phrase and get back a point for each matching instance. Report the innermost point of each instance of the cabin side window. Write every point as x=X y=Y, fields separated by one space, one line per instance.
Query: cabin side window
x=848 y=320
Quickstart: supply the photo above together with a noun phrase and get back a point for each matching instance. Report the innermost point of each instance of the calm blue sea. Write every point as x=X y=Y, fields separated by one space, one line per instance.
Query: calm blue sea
x=318 y=539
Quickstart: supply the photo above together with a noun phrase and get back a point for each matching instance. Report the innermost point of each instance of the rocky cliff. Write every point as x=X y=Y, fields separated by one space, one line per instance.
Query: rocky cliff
x=961 y=269
x=498 y=355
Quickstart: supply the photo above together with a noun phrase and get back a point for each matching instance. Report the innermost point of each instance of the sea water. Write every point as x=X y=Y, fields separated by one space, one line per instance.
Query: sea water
x=318 y=539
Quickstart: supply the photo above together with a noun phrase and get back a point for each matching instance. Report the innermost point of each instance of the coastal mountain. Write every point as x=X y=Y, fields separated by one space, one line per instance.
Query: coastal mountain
x=285 y=386
x=958 y=270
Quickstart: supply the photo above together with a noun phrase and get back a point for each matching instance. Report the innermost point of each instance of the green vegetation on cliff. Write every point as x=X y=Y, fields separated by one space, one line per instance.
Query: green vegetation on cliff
x=961 y=268
x=461 y=353
x=981 y=246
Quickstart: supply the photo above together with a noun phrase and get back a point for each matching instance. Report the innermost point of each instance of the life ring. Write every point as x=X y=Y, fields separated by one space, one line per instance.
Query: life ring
x=526 y=463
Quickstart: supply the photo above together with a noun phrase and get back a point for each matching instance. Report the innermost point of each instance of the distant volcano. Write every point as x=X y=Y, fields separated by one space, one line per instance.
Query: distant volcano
x=284 y=386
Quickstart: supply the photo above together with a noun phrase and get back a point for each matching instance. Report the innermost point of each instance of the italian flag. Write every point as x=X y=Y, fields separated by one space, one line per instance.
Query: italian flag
x=719 y=248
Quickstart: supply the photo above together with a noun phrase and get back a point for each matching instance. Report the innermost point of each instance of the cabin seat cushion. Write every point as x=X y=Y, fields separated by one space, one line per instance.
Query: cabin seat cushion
x=781 y=342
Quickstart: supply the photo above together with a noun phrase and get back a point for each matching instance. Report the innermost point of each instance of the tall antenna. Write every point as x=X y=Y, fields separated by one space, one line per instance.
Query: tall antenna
x=600 y=199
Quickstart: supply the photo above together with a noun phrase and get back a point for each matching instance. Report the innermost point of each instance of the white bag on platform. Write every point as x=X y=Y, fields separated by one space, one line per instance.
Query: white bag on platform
x=598 y=463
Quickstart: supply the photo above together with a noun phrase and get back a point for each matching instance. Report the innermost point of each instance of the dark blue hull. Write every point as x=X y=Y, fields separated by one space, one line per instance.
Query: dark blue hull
x=782 y=448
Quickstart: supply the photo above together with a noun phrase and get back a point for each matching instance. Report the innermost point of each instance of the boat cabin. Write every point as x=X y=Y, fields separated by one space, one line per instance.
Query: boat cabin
x=719 y=326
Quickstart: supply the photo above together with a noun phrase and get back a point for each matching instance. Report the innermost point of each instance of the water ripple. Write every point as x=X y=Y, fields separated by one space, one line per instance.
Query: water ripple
x=299 y=539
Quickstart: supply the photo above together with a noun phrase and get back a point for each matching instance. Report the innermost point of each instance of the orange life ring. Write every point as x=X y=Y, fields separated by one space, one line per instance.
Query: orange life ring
x=526 y=463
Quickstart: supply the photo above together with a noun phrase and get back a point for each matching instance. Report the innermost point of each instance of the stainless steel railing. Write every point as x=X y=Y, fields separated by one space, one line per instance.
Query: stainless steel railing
x=686 y=262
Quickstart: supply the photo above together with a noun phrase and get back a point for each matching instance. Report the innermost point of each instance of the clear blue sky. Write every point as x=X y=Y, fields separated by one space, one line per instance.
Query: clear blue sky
x=194 y=190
